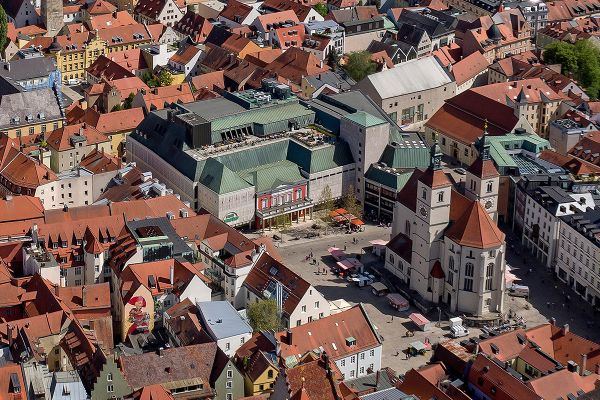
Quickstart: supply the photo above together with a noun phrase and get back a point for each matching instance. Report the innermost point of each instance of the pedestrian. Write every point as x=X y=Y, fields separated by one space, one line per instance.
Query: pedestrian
x=344 y=247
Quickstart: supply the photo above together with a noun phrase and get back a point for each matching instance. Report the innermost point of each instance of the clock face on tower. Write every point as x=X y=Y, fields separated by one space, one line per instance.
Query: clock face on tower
x=489 y=204
x=423 y=211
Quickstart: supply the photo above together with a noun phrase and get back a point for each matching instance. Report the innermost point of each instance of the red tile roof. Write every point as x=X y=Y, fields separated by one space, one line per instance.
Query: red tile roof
x=476 y=229
x=190 y=363
x=193 y=25
x=331 y=333
x=563 y=383
x=105 y=68
x=7 y=390
x=156 y=98
x=101 y=7
x=494 y=382
x=463 y=117
x=60 y=139
x=484 y=169
x=111 y=20
x=260 y=276
x=116 y=121
x=469 y=67
x=435 y=178
x=235 y=9
x=185 y=55
x=152 y=392
x=210 y=80
x=98 y=162
x=570 y=163
x=295 y=63
x=25 y=172
x=312 y=380
x=21 y=208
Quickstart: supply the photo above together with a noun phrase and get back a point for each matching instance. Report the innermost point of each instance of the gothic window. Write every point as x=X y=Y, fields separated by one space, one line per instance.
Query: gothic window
x=490 y=185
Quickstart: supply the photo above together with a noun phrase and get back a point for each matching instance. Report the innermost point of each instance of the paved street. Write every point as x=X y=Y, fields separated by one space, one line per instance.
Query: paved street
x=333 y=288
x=294 y=253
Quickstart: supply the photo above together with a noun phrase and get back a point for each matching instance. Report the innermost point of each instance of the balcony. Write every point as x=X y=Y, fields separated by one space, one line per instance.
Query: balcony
x=284 y=208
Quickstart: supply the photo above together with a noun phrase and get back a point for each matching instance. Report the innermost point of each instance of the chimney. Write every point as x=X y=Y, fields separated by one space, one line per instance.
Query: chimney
x=8 y=197
x=83 y=296
x=583 y=365
x=180 y=88
x=552 y=321
x=565 y=329
x=597 y=369
x=172 y=274
x=289 y=337
x=83 y=104
x=320 y=66
x=7 y=66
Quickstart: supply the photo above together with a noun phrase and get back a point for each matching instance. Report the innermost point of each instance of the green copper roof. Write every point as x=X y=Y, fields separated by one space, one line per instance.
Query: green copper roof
x=269 y=176
x=320 y=158
x=405 y=156
x=365 y=119
x=501 y=145
x=251 y=157
x=261 y=116
x=392 y=180
x=220 y=179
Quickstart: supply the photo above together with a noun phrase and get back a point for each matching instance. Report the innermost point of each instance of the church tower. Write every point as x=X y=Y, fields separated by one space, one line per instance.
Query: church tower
x=432 y=216
x=52 y=16
x=482 y=179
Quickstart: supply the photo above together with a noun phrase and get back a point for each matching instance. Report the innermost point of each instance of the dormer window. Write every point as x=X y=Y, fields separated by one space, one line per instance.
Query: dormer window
x=350 y=341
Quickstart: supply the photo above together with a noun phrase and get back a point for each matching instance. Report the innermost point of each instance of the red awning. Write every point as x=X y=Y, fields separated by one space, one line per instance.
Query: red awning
x=357 y=222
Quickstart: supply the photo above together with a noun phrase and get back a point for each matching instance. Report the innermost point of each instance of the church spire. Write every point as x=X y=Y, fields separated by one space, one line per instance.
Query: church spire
x=435 y=161
x=483 y=145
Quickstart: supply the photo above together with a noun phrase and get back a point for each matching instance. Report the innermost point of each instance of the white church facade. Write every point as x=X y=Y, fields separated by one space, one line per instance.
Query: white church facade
x=445 y=242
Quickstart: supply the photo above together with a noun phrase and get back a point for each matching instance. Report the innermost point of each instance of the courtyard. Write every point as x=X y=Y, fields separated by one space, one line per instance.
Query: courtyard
x=393 y=325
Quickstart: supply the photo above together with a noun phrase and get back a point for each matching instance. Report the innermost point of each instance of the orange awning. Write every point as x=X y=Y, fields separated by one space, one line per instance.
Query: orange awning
x=357 y=222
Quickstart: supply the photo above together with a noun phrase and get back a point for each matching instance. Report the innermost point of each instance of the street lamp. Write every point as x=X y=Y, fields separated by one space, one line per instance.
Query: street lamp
x=439 y=324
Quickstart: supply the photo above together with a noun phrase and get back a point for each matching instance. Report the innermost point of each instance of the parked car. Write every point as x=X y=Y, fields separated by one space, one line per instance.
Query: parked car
x=352 y=277
x=460 y=171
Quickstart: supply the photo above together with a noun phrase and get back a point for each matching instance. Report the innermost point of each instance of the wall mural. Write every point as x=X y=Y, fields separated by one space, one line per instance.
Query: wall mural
x=138 y=316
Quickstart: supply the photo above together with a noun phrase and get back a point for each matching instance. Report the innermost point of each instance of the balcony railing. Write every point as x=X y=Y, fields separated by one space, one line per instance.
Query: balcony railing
x=284 y=208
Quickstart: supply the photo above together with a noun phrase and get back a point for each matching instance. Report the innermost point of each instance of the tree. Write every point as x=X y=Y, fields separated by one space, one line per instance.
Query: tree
x=350 y=203
x=326 y=199
x=150 y=79
x=263 y=315
x=128 y=101
x=321 y=8
x=581 y=60
x=359 y=65
x=333 y=59
x=117 y=107
x=3 y=29
x=165 y=78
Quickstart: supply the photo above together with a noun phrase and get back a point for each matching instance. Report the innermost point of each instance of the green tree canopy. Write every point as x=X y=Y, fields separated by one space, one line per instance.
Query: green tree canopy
x=321 y=8
x=3 y=29
x=263 y=315
x=581 y=59
x=333 y=59
x=351 y=203
x=359 y=65
x=128 y=101
x=165 y=78
x=326 y=199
